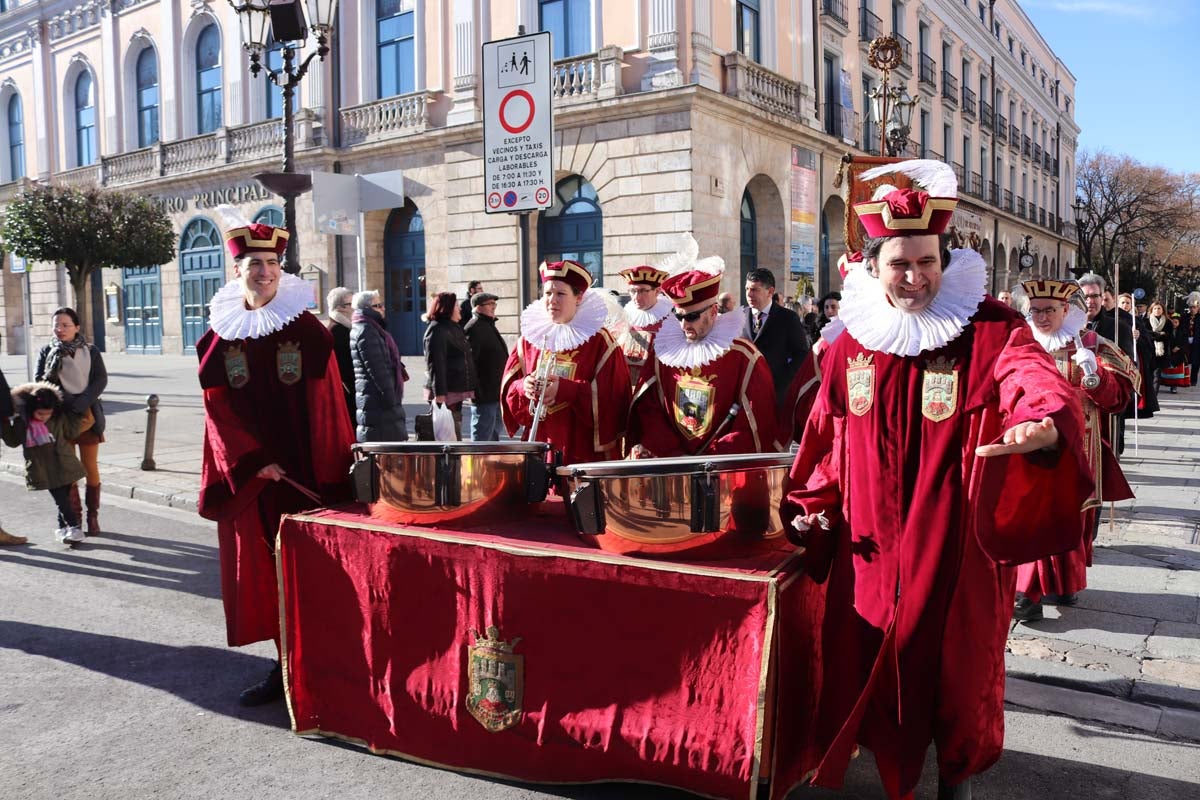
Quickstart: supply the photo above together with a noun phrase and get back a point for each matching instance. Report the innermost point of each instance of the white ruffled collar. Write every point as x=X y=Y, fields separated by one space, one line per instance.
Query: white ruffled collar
x=672 y=347
x=832 y=330
x=230 y=318
x=878 y=325
x=637 y=318
x=1075 y=321
x=543 y=333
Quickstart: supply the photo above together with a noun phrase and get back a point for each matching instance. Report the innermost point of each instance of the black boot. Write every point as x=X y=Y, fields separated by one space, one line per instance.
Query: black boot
x=1027 y=610
x=268 y=690
x=960 y=791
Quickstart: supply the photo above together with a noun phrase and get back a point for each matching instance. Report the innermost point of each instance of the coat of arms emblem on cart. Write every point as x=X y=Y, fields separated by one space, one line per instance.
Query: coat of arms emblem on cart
x=496 y=680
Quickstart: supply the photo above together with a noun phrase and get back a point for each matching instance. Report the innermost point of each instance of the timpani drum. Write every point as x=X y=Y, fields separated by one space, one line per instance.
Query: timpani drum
x=704 y=508
x=460 y=483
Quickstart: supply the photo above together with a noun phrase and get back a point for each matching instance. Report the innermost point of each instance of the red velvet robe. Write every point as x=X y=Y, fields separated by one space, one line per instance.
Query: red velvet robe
x=298 y=422
x=801 y=394
x=910 y=647
x=587 y=420
x=1066 y=573
x=637 y=343
x=659 y=420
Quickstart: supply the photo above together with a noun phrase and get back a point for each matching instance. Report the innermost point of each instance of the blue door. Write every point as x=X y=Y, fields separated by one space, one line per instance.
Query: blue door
x=404 y=279
x=201 y=273
x=573 y=228
x=143 y=310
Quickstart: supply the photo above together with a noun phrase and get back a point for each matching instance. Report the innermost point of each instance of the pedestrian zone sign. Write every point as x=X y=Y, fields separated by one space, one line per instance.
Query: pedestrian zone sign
x=518 y=126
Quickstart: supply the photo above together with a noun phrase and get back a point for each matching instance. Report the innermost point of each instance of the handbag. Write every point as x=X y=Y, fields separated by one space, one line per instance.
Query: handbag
x=1178 y=375
x=423 y=426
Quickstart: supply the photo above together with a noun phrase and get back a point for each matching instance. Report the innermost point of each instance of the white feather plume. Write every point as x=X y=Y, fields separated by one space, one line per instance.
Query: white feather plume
x=935 y=177
x=687 y=259
x=883 y=191
x=231 y=217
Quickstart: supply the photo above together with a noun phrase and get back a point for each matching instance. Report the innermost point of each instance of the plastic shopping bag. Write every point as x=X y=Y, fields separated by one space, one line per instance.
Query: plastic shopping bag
x=443 y=423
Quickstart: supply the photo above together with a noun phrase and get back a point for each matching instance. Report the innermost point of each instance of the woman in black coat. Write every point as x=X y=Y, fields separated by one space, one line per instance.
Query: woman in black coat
x=379 y=374
x=76 y=367
x=340 y=303
x=449 y=367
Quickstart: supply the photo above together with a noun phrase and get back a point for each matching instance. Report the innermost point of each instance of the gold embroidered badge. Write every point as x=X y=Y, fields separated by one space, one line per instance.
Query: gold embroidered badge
x=939 y=389
x=860 y=384
x=289 y=363
x=496 y=681
x=237 y=369
x=564 y=367
x=694 y=395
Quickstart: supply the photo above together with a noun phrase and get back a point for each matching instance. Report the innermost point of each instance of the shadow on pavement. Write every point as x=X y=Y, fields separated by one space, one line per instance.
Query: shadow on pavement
x=207 y=677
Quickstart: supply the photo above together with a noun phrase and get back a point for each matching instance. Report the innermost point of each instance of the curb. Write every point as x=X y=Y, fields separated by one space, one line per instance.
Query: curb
x=185 y=501
x=1176 y=723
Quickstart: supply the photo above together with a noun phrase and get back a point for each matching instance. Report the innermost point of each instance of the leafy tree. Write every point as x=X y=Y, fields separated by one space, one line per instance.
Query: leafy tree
x=86 y=230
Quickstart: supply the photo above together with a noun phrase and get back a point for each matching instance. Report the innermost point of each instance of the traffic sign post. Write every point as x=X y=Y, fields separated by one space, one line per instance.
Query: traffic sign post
x=518 y=124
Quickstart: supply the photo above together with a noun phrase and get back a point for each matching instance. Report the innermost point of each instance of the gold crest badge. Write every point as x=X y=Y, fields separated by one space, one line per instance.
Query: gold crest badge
x=237 y=368
x=289 y=363
x=860 y=384
x=694 y=395
x=564 y=367
x=496 y=679
x=939 y=389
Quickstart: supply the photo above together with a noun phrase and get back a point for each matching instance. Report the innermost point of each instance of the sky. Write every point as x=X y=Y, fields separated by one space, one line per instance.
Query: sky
x=1137 y=86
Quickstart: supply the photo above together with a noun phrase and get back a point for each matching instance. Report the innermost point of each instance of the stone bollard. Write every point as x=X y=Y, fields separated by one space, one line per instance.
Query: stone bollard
x=151 y=425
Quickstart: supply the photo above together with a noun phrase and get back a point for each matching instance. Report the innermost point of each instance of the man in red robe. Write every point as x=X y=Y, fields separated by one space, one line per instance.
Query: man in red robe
x=705 y=389
x=910 y=510
x=275 y=429
x=643 y=315
x=1104 y=379
x=570 y=366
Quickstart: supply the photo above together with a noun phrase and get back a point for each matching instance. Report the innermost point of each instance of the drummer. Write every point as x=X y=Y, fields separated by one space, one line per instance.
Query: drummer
x=704 y=388
x=583 y=387
x=644 y=314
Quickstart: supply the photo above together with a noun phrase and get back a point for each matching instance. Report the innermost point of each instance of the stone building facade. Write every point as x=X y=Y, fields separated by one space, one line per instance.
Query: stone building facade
x=671 y=117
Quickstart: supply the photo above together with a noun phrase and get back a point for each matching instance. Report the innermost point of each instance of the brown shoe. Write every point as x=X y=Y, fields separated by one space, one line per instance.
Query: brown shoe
x=93 y=510
x=76 y=504
x=8 y=538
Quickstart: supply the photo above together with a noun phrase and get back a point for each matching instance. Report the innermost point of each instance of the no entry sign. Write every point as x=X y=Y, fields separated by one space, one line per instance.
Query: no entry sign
x=518 y=126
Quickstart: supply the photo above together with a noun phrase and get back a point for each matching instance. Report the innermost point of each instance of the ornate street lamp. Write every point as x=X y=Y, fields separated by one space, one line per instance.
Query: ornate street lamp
x=285 y=18
x=891 y=106
x=1079 y=208
x=1141 y=251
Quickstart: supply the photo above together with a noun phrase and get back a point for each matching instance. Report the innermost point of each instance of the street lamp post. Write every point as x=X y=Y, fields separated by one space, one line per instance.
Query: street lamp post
x=891 y=106
x=286 y=20
x=1141 y=251
x=1079 y=208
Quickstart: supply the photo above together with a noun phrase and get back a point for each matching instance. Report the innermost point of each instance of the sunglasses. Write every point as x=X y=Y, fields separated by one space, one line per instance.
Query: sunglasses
x=692 y=317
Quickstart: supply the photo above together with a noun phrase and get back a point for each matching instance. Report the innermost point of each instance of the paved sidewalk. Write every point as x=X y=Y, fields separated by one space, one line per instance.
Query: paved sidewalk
x=1131 y=645
x=1127 y=654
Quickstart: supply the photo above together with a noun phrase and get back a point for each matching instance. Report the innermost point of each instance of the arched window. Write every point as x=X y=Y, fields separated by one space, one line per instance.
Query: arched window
x=85 y=120
x=146 y=74
x=573 y=228
x=270 y=215
x=16 y=138
x=274 y=95
x=208 y=80
x=395 y=43
x=570 y=26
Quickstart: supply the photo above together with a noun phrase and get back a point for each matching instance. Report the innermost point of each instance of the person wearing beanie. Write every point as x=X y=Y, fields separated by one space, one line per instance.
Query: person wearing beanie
x=569 y=366
x=943 y=447
x=45 y=428
x=704 y=389
x=275 y=427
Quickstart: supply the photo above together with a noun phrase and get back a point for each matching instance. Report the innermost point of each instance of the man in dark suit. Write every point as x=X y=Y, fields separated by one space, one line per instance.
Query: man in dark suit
x=776 y=331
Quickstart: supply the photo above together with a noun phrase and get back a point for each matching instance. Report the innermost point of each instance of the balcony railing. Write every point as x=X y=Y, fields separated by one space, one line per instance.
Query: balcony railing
x=753 y=83
x=993 y=193
x=835 y=10
x=189 y=155
x=949 y=88
x=906 y=60
x=1042 y=216
x=1001 y=128
x=1020 y=206
x=985 y=114
x=928 y=71
x=1037 y=154
x=585 y=78
x=1052 y=221
x=840 y=121
x=932 y=155
x=968 y=102
x=256 y=141
x=975 y=187
x=869 y=137
x=80 y=177
x=1014 y=135
x=401 y=115
x=1026 y=146
x=138 y=165
x=869 y=26
x=1007 y=203
x=959 y=174
x=1032 y=212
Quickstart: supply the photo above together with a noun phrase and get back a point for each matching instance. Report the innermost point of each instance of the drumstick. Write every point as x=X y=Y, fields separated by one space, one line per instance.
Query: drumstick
x=304 y=490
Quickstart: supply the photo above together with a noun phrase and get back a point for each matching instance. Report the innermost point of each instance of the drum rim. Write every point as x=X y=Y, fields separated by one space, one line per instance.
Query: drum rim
x=676 y=465
x=451 y=448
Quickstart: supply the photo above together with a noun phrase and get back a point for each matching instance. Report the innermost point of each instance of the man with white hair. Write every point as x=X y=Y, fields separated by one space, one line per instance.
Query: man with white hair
x=943 y=445
x=275 y=428
x=339 y=305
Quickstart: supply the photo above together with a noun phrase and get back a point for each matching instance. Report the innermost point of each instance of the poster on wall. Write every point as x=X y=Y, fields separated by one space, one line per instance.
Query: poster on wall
x=803 y=261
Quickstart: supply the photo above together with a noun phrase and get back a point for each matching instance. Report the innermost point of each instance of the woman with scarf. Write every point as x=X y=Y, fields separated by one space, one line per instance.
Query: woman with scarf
x=77 y=368
x=449 y=364
x=340 y=302
x=1168 y=348
x=379 y=374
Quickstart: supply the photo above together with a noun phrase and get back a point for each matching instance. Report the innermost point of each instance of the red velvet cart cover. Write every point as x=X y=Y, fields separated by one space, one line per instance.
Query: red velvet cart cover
x=602 y=667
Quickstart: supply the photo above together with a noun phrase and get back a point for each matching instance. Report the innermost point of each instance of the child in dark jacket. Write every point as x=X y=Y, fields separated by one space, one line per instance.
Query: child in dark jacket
x=44 y=429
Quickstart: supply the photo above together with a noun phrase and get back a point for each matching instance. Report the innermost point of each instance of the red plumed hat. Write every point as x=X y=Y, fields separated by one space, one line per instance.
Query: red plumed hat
x=909 y=212
x=256 y=236
x=692 y=288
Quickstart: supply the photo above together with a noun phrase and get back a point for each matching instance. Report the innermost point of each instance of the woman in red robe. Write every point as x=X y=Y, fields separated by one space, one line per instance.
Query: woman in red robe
x=587 y=393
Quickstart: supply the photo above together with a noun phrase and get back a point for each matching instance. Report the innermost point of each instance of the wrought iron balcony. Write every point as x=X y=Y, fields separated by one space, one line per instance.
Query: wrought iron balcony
x=975 y=187
x=928 y=71
x=959 y=174
x=840 y=121
x=1007 y=204
x=835 y=10
x=949 y=88
x=1020 y=206
x=869 y=26
x=1001 y=128
x=906 y=59
x=1042 y=216
x=1037 y=154
x=968 y=102
x=985 y=114
x=869 y=137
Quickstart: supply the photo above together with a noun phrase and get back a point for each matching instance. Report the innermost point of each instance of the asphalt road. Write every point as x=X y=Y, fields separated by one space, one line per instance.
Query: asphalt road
x=115 y=684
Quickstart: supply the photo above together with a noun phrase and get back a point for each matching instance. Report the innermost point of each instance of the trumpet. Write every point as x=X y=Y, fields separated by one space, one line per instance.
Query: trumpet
x=546 y=364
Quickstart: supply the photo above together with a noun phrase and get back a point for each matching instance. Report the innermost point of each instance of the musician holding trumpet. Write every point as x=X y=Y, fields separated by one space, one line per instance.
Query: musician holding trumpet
x=566 y=381
x=1104 y=379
